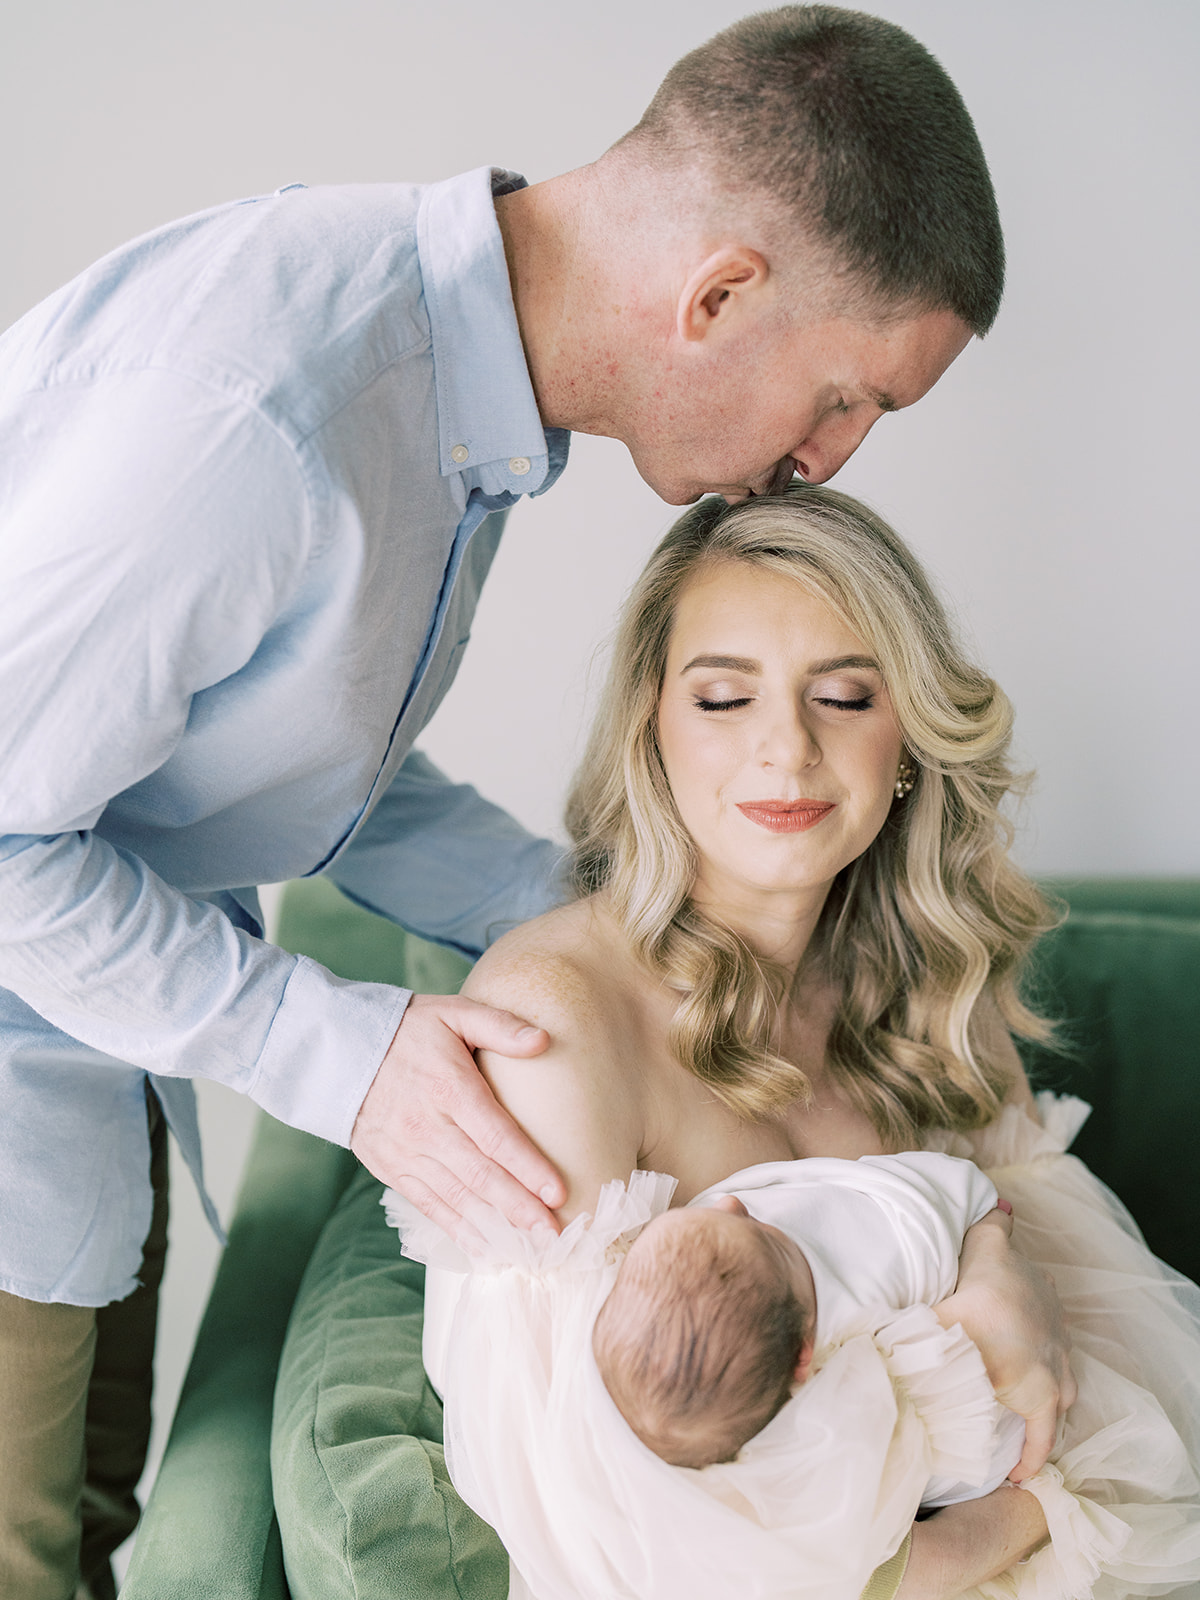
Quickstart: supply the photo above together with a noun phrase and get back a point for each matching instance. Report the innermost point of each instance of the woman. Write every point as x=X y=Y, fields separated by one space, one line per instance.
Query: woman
x=798 y=931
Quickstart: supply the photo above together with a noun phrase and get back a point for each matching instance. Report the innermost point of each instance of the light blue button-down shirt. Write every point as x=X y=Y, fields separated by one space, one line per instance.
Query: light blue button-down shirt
x=253 y=470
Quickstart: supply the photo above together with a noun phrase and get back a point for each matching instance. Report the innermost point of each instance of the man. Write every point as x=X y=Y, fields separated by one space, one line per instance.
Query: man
x=254 y=470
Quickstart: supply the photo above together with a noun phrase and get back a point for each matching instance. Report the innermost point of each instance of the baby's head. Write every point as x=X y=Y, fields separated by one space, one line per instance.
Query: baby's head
x=707 y=1328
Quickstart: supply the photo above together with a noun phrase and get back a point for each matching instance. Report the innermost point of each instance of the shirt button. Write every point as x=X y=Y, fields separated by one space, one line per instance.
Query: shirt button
x=519 y=466
x=459 y=454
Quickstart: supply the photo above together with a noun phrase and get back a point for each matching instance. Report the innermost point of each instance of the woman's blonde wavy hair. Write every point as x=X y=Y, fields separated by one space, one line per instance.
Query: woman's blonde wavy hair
x=924 y=934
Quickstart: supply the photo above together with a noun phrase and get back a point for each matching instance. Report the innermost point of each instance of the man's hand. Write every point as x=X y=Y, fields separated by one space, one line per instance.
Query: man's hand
x=432 y=1128
x=1009 y=1307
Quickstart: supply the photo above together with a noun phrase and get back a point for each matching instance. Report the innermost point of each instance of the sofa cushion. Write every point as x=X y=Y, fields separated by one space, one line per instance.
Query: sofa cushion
x=365 y=1505
x=1127 y=990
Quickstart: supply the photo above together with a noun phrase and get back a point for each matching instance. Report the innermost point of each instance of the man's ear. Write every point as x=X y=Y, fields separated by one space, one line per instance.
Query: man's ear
x=720 y=287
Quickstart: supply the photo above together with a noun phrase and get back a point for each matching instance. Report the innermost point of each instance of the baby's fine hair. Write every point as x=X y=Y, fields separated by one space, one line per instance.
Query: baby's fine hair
x=698 y=1343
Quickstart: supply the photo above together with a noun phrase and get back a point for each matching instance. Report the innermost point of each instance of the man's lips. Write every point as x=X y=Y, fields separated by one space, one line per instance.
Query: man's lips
x=786 y=816
x=775 y=482
x=782 y=476
x=777 y=479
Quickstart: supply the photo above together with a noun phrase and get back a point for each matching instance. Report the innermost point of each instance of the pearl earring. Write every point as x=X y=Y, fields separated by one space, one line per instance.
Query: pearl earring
x=906 y=778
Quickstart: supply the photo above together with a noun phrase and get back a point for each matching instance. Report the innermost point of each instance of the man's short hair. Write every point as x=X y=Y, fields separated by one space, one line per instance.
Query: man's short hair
x=849 y=124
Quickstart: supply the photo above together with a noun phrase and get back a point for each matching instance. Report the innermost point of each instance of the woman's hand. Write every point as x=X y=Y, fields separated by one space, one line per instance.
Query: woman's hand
x=967 y=1544
x=1008 y=1306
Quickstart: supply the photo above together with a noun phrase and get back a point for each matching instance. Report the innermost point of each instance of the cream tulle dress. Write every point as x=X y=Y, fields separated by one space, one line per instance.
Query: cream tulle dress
x=827 y=1491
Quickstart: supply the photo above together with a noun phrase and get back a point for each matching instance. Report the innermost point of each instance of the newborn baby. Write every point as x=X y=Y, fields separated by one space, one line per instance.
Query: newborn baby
x=720 y=1306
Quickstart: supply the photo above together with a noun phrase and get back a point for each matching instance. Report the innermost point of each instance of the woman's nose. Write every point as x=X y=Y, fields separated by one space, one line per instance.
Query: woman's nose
x=789 y=745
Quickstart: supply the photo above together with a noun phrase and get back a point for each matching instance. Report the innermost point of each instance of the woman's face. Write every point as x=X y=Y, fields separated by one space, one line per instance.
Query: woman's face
x=777 y=735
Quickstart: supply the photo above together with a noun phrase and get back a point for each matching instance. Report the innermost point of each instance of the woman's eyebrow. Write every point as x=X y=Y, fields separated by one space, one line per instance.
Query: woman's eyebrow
x=725 y=664
x=747 y=664
x=841 y=663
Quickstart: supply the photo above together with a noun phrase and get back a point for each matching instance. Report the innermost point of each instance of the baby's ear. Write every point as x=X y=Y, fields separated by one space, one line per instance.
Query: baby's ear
x=804 y=1362
x=730 y=1203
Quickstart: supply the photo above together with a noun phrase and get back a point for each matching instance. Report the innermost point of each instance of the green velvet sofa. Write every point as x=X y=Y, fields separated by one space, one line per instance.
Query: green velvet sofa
x=1123 y=974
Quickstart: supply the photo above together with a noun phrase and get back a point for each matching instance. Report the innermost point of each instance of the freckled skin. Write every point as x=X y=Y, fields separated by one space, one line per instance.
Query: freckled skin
x=730 y=421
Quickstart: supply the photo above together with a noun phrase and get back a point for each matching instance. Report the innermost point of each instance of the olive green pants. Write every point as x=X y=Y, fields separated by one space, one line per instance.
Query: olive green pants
x=75 y=1386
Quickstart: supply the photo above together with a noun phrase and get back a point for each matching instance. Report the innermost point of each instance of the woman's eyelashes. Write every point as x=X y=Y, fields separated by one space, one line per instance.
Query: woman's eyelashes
x=721 y=705
x=845 y=703
x=834 y=696
x=833 y=702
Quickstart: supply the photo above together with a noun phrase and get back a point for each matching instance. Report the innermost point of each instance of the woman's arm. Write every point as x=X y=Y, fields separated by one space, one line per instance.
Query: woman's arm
x=1009 y=1307
x=1007 y=1304
x=967 y=1544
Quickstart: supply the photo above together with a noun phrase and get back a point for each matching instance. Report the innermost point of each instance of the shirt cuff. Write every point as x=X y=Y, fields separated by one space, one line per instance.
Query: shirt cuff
x=326 y=1043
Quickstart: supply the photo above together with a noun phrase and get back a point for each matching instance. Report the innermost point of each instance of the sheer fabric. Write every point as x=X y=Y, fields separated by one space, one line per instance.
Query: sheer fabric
x=827 y=1491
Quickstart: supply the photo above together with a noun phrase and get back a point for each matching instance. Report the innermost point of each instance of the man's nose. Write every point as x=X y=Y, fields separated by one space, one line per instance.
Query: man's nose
x=828 y=448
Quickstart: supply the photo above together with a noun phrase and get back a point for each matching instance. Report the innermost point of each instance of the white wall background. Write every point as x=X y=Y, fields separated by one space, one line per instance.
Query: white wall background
x=1047 y=480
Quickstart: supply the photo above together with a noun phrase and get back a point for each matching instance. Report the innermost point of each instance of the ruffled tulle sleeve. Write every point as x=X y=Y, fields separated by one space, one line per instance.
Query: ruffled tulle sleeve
x=491 y=1243
x=973 y=1442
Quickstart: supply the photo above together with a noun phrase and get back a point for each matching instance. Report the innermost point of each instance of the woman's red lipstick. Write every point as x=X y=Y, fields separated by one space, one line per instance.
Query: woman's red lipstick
x=786 y=816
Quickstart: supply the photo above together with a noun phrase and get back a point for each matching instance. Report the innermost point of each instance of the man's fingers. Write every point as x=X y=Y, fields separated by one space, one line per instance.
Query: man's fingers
x=468 y=1184
x=460 y=1142
x=432 y=1129
x=485 y=1122
x=506 y=1146
x=483 y=1027
x=430 y=1205
x=501 y=1165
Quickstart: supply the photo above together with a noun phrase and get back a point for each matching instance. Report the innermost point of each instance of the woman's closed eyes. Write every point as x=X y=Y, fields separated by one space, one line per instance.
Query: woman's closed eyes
x=863 y=702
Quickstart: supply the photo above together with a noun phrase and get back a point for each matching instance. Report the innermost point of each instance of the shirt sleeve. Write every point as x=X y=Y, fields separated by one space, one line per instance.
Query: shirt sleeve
x=153 y=530
x=443 y=862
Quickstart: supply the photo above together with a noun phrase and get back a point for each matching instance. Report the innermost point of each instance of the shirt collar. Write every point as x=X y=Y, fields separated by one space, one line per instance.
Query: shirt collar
x=489 y=430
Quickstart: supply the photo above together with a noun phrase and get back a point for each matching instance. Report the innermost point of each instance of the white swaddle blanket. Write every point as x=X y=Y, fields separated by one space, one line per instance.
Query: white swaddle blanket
x=827 y=1491
x=880 y=1234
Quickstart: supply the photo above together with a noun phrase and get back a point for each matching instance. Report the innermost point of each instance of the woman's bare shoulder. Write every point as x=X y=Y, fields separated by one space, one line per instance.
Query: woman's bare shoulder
x=569 y=968
x=581 y=1100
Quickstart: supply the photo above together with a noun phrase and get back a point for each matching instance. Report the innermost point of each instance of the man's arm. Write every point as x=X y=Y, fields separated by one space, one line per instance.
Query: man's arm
x=106 y=951
x=445 y=863
x=154 y=530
